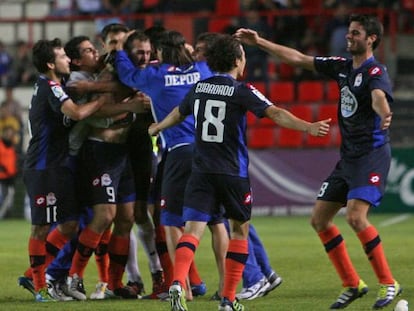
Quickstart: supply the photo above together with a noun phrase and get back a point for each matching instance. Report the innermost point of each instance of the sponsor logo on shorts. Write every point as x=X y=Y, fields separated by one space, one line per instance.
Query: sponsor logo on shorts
x=248 y=198
x=374 y=179
x=40 y=201
x=96 y=182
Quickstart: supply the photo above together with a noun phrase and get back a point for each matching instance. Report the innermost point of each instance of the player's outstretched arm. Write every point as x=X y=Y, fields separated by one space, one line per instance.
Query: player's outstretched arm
x=173 y=118
x=285 y=54
x=286 y=119
x=80 y=112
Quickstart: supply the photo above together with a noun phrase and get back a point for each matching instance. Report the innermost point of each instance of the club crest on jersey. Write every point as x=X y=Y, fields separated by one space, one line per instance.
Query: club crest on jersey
x=58 y=91
x=40 y=201
x=358 y=80
x=349 y=103
x=375 y=71
x=51 y=199
x=374 y=179
x=106 y=180
x=162 y=203
x=247 y=198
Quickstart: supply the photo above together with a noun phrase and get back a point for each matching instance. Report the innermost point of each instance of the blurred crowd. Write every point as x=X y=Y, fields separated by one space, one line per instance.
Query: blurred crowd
x=321 y=35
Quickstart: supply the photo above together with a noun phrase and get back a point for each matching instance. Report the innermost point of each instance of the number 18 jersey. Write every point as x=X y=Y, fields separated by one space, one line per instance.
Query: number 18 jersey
x=219 y=105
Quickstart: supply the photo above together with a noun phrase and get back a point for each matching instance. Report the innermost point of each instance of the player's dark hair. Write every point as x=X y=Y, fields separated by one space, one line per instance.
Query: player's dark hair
x=137 y=35
x=154 y=33
x=43 y=52
x=224 y=52
x=172 y=46
x=72 y=49
x=114 y=27
x=208 y=38
x=371 y=25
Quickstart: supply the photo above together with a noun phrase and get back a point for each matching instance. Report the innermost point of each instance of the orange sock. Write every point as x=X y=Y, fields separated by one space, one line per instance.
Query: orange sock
x=88 y=241
x=193 y=274
x=118 y=249
x=335 y=248
x=184 y=255
x=28 y=273
x=236 y=258
x=165 y=260
x=37 y=255
x=102 y=256
x=373 y=248
x=54 y=242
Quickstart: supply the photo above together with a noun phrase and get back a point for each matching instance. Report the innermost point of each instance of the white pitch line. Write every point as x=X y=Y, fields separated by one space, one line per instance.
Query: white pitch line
x=395 y=220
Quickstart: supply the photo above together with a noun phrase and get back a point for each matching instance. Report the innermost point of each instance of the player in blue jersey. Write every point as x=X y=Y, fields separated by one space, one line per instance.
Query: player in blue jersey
x=220 y=161
x=47 y=176
x=258 y=276
x=166 y=83
x=138 y=48
x=359 y=178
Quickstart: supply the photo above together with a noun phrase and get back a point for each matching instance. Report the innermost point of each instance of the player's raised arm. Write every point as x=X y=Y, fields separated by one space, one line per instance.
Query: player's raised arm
x=286 y=119
x=285 y=54
x=173 y=118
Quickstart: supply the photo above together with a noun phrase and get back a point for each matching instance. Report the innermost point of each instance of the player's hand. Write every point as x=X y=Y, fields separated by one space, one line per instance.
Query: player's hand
x=145 y=99
x=139 y=102
x=247 y=36
x=153 y=129
x=320 y=128
x=386 y=121
x=120 y=44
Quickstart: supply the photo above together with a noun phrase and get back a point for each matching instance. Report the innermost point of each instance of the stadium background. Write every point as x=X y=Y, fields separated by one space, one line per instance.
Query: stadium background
x=286 y=167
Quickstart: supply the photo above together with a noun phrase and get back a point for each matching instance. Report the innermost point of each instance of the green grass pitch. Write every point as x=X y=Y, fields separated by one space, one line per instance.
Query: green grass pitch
x=309 y=281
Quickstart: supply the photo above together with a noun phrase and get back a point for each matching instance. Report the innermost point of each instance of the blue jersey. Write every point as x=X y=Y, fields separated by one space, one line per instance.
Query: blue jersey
x=49 y=128
x=359 y=123
x=166 y=85
x=220 y=104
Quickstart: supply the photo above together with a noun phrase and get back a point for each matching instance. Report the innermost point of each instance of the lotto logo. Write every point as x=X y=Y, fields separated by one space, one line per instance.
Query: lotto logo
x=375 y=71
x=40 y=201
x=248 y=198
x=162 y=203
x=374 y=179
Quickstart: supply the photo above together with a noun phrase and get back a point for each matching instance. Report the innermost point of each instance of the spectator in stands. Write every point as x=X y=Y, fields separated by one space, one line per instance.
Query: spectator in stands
x=89 y=7
x=116 y=7
x=63 y=8
x=11 y=115
x=184 y=6
x=336 y=29
x=257 y=65
x=5 y=64
x=8 y=169
x=289 y=29
x=22 y=71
